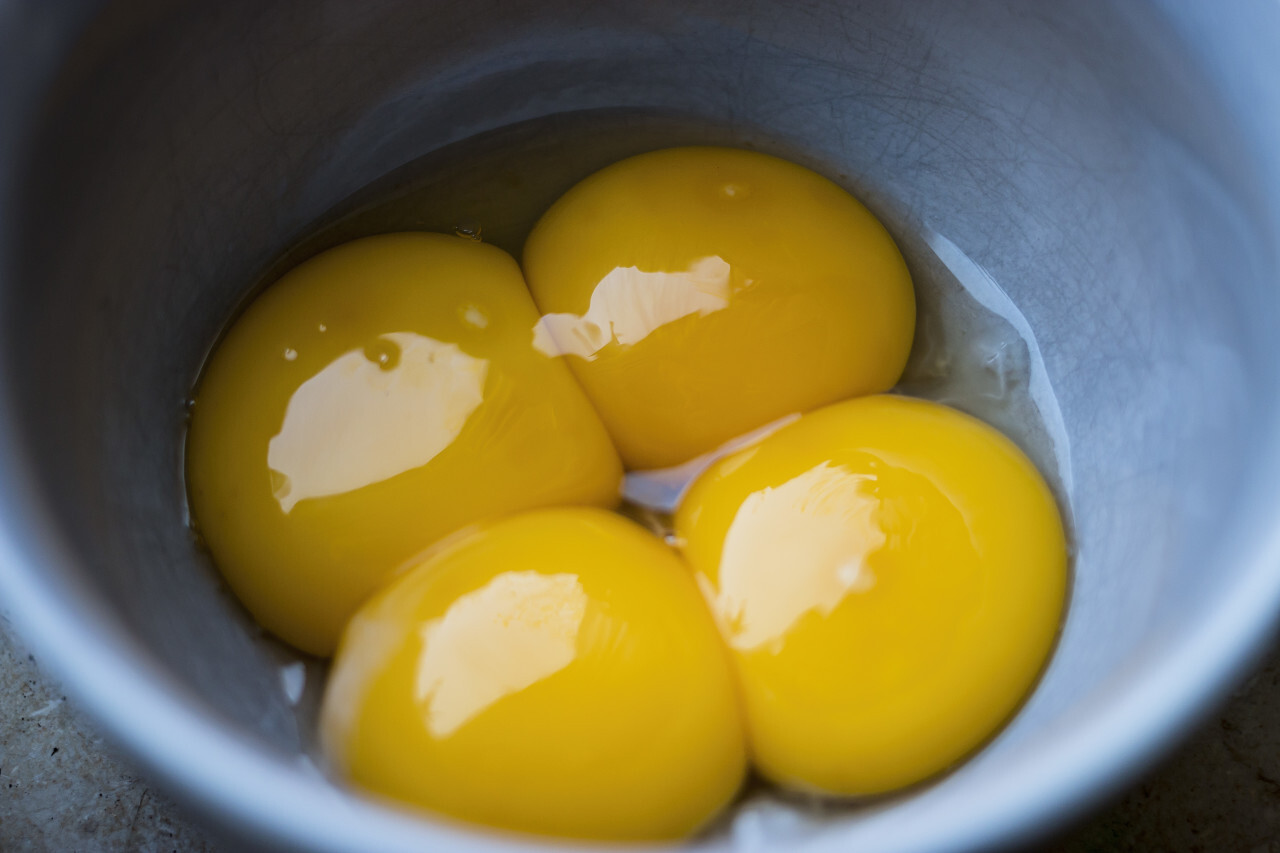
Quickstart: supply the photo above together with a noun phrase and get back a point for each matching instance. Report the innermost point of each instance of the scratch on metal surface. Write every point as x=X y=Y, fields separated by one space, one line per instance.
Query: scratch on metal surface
x=137 y=811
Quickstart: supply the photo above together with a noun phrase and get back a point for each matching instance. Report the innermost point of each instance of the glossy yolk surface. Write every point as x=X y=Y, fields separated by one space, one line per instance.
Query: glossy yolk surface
x=554 y=672
x=889 y=575
x=699 y=293
x=374 y=399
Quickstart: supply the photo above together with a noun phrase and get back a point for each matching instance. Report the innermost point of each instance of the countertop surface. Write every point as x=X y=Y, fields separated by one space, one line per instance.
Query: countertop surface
x=62 y=788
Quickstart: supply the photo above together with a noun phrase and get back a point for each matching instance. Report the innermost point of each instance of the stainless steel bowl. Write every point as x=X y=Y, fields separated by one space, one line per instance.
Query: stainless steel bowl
x=1114 y=165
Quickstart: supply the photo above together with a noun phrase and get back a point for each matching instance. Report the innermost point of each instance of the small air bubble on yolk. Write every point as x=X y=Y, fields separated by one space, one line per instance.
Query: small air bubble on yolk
x=554 y=672
x=386 y=354
x=734 y=191
x=474 y=316
x=889 y=576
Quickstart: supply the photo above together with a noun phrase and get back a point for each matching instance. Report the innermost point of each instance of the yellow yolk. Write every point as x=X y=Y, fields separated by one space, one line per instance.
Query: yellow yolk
x=889 y=575
x=553 y=672
x=699 y=293
x=373 y=400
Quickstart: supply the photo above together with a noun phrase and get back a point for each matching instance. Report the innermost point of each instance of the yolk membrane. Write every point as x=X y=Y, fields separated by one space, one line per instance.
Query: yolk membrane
x=889 y=575
x=554 y=672
x=700 y=293
x=376 y=398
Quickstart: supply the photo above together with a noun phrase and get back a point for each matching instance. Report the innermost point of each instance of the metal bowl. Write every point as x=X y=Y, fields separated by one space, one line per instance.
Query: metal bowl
x=1115 y=166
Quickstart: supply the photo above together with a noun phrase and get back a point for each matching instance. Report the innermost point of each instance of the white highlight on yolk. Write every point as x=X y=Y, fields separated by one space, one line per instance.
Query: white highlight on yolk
x=821 y=526
x=356 y=422
x=513 y=632
x=476 y=318
x=628 y=304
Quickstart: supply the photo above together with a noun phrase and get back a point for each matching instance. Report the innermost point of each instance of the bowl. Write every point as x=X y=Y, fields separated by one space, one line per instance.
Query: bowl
x=1114 y=167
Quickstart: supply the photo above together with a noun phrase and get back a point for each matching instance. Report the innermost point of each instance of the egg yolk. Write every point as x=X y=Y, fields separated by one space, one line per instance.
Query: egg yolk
x=553 y=672
x=699 y=293
x=374 y=399
x=889 y=575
